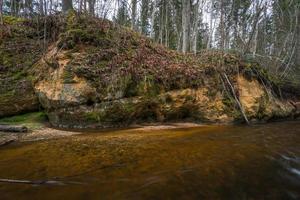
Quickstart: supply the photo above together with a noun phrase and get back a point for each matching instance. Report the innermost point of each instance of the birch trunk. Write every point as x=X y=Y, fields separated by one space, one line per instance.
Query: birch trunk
x=166 y=25
x=195 y=27
x=1 y=17
x=152 y=33
x=41 y=7
x=211 y=25
x=91 y=7
x=222 y=25
x=186 y=10
x=133 y=14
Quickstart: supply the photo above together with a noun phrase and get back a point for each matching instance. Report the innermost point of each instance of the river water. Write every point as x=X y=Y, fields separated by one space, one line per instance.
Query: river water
x=209 y=162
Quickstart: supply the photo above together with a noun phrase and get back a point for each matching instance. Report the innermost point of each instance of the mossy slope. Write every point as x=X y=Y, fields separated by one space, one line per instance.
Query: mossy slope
x=19 y=50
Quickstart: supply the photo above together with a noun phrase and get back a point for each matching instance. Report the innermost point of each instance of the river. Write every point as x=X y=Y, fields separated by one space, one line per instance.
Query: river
x=209 y=162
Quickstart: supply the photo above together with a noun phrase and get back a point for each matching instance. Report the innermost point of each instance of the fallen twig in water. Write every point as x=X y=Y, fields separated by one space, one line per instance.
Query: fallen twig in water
x=39 y=182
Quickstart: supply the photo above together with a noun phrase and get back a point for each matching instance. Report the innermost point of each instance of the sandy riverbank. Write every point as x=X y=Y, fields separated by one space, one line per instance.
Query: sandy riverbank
x=46 y=133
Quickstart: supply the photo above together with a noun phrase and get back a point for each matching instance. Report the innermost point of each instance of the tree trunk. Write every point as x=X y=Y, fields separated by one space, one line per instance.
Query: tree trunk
x=91 y=7
x=144 y=17
x=67 y=5
x=161 y=24
x=133 y=14
x=1 y=15
x=195 y=27
x=256 y=31
x=186 y=10
x=255 y=40
x=211 y=25
x=298 y=42
x=80 y=6
x=166 y=25
x=28 y=8
x=222 y=25
x=41 y=7
x=255 y=25
x=84 y=5
x=152 y=33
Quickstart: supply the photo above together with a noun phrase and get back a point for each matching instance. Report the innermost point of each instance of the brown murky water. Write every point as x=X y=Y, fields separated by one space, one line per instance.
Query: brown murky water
x=214 y=162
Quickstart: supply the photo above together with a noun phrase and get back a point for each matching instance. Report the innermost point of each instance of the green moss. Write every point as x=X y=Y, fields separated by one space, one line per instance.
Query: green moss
x=8 y=94
x=68 y=75
x=228 y=101
x=147 y=110
x=72 y=37
x=19 y=75
x=116 y=112
x=52 y=62
x=188 y=110
x=31 y=120
x=11 y=20
x=148 y=87
x=130 y=89
x=212 y=92
x=230 y=107
x=93 y=116
x=168 y=99
x=261 y=111
x=190 y=98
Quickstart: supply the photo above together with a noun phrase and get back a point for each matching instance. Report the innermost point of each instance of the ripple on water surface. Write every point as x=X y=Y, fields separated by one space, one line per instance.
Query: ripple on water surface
x=210 y=162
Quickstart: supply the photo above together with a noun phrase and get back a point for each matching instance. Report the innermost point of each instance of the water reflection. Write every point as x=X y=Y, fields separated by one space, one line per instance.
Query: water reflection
x=214 y=162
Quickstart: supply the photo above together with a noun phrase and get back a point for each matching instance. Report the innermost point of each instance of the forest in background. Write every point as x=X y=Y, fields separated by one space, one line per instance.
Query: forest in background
x=266 y=31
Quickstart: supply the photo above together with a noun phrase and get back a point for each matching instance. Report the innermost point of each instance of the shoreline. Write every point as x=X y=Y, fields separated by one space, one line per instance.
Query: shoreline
x=47 y=132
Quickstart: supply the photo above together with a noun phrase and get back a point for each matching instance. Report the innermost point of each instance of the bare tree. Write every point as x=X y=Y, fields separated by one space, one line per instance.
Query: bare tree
x=67 y=5
x=133 y=14
x=153 y=13
x=1 y=12
x=186 y=11
x=198 y=11
x=212 y=24
x=91 y=4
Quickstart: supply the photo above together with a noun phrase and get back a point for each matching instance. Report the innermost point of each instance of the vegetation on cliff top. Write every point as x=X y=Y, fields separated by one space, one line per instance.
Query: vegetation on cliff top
x=112 y=57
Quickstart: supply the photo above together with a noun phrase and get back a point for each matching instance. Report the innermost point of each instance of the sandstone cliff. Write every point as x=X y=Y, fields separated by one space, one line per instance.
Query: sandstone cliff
x=95 y=74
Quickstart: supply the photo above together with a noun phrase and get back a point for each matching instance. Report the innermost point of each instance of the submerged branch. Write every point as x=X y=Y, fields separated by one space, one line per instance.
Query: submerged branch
x=39 y=182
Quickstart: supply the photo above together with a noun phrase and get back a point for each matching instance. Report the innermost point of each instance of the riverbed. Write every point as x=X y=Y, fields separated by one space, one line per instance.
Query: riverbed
x=206 y=162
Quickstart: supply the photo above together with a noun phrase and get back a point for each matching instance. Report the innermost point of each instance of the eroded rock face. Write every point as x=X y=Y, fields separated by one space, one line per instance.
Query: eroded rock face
x=18 y=98
x=76 y=101
x=260 y=103
x=77 y=104
x=189 y=104
x=19 y=50
x=70 y=106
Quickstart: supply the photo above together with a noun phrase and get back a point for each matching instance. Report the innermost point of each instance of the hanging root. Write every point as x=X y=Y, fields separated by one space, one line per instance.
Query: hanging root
x=236 y=98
